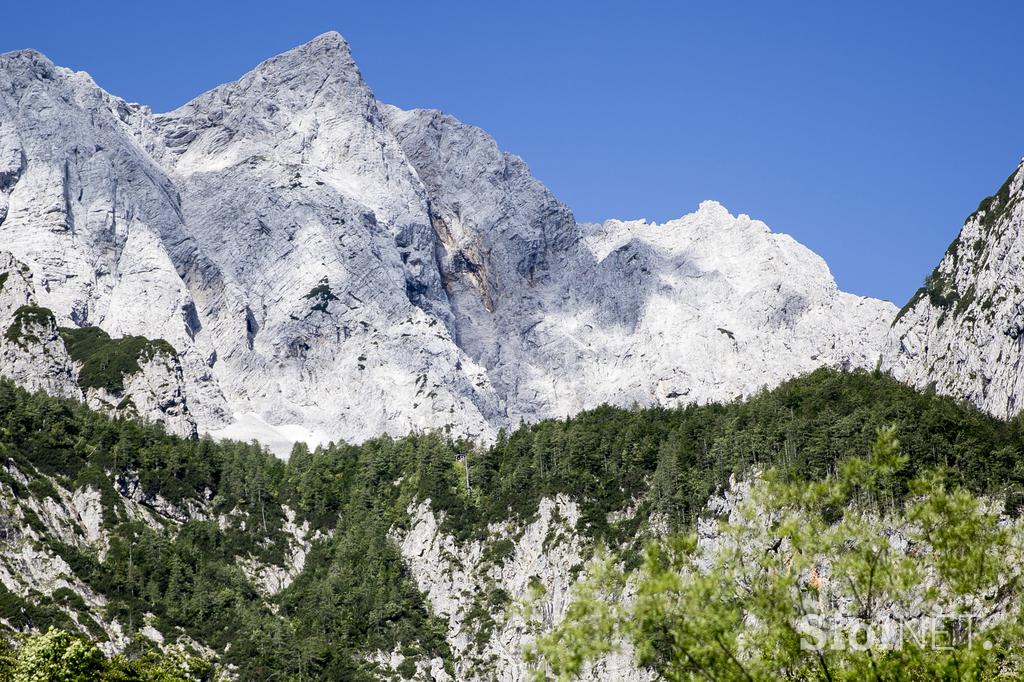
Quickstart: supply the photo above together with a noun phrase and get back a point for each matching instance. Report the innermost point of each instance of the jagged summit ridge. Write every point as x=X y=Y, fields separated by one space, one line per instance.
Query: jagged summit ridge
x=329 y=267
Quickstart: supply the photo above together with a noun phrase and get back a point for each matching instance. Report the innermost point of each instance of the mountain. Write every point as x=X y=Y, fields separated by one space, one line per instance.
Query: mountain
x=323 y=266
x=962 y=332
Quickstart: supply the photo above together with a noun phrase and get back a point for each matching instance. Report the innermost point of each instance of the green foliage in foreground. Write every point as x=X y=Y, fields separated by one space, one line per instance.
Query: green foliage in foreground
x=923 y=588
x=57 y=656
x=355 y=595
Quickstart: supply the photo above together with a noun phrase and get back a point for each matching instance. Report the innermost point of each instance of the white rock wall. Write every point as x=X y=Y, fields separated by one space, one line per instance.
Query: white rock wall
x=455 y=577
x=325 y=264
x=966 y=339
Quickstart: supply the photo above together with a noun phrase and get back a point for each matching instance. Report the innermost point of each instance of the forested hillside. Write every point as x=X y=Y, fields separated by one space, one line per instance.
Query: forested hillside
x=292 y=570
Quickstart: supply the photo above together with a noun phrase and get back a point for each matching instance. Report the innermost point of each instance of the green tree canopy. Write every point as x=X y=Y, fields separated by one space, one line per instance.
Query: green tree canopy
x=835 y=579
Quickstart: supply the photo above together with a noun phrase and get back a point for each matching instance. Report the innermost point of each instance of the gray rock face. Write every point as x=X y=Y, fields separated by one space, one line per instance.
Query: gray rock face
x=568 y=316
x=543 y=566
x=963 y=330
x=155 y=393
x=295 y=188
x=330 y=267
x=34 y=354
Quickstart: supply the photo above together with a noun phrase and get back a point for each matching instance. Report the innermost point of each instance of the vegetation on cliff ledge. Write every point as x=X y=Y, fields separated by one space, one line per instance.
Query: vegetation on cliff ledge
x=105 y=361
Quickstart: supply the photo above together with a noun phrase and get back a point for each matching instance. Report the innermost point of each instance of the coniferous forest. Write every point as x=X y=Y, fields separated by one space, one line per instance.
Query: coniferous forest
x=354 y=594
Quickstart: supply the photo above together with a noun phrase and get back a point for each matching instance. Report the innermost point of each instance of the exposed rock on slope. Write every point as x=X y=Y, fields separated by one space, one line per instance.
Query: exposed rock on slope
x=128 y=377
x=292 y=184
x=435 y=561
x=962 y=331
x=31 y=350
x=568 y=316
x=481 y=586
x=44 y=519
x=330 y=266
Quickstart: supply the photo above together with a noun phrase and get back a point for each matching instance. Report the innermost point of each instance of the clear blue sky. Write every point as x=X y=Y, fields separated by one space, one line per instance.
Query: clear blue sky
x=867 y=130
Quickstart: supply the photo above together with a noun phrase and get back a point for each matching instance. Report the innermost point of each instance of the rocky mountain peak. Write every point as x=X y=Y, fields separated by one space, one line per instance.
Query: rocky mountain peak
x=328 y=41
x=712 y=208
x=307 y=66
x=27 y=61
x=329 y=267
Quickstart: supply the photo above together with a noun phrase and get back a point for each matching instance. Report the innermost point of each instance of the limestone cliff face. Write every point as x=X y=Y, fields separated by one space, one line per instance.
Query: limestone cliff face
x=481 y=587
x=331 y=267
x=31 y=350
x=294 y=186
x=34 y=353
x=155 y=393
x=93 y=217
x=963 y=330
